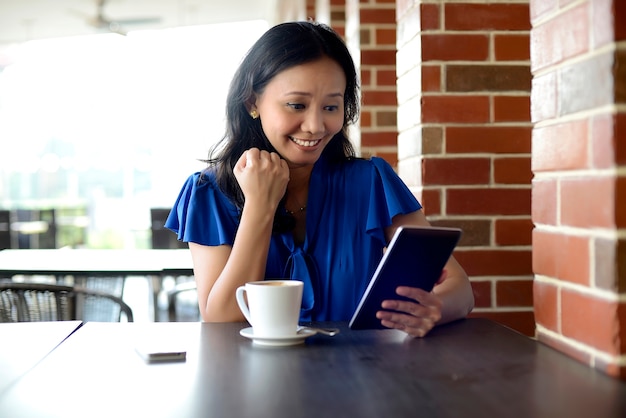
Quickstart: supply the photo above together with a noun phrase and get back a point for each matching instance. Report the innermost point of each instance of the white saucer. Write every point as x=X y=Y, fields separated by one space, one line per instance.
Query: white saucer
x=278 y=341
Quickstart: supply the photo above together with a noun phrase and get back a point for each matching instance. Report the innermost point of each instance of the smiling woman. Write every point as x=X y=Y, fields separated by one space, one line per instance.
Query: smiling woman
x=285 y=196
x=92 y=120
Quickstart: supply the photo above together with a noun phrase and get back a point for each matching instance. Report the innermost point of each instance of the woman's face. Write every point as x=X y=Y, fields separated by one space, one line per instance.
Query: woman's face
x=302 y=108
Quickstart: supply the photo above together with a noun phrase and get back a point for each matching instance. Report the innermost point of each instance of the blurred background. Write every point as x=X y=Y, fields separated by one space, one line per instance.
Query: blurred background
x=106 y=106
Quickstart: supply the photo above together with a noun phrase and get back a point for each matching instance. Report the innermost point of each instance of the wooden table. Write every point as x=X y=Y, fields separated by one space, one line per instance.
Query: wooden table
x=81 y=263
x=471 y=368
x=24 y=345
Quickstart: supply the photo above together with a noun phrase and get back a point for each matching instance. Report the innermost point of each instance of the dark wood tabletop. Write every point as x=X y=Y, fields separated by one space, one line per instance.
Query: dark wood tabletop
x=24 y=345
x=470 y=368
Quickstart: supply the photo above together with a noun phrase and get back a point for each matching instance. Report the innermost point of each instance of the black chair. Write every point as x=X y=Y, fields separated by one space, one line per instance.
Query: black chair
x=163 y=238
x=34 y=228
x=35 y=302
x=183 y=303
x=5 y=229
x=179 y=298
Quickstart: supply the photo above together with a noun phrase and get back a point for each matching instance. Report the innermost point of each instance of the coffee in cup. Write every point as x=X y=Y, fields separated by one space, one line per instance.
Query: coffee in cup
x=272 y=308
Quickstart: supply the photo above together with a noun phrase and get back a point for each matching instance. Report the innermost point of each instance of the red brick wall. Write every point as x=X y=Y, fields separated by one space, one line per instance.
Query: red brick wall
x=464 y=140
x=579 y=185
x=338 y=16
x=377 y=44
x=310 y=9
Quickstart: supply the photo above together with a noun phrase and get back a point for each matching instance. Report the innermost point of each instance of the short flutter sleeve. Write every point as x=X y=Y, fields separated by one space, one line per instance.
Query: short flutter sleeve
x=202 y=213
x=389 y=196
x=397 y=195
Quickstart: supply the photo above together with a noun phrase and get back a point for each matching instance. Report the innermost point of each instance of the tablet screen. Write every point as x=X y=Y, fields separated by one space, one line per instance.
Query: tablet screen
x=415 y=257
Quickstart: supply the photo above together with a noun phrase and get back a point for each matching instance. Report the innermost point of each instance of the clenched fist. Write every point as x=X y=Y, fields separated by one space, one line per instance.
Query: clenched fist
x=263 y=178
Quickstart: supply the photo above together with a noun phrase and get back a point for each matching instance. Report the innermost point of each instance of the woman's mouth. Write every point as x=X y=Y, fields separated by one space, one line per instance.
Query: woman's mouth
x=305 y=142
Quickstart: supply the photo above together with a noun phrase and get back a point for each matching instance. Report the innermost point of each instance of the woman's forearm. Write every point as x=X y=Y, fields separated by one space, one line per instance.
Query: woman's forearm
x=246 y=262
x=455 y=292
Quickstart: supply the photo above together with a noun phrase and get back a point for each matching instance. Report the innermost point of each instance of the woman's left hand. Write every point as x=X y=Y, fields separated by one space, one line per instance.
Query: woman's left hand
x=414 y=318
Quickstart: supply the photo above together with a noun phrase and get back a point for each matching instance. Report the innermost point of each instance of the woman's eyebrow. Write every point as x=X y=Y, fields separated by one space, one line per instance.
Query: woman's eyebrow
x=304 y=93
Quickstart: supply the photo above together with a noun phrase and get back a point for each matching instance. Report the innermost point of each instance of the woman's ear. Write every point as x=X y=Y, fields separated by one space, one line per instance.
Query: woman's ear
x=251 y=103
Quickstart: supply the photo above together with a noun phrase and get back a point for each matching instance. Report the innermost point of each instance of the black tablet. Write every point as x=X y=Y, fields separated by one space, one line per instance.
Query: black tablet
x=415 y=257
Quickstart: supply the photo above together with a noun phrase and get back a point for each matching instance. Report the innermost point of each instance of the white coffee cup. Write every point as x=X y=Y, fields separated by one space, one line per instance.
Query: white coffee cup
x=273 y=307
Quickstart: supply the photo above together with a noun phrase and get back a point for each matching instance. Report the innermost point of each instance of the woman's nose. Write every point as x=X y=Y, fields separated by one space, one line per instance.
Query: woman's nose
x=313 y=122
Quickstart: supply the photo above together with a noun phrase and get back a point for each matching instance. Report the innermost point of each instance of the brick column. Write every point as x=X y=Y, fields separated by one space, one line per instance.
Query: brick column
x=377 y=31
x=337 y=11
x=579 y=187
x=311 y=9
x=464 y=143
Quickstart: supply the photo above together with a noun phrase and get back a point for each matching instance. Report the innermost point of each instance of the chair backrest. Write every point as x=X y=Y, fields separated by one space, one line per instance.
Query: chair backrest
x=183 y=303
x=163 y=238
x=34 y=228
x=5 y=229
x=33 y=302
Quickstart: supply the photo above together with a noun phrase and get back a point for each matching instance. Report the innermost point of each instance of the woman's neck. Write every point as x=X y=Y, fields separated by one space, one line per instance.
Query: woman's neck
x=298 y=189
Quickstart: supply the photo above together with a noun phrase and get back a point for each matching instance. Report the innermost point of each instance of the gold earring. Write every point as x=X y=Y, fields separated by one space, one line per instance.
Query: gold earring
x=254 y=114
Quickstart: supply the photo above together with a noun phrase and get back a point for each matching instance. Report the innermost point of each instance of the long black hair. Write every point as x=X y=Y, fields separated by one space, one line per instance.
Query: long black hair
x=283 y=46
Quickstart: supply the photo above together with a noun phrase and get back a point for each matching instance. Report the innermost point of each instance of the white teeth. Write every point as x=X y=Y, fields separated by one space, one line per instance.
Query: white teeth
x=304 y=143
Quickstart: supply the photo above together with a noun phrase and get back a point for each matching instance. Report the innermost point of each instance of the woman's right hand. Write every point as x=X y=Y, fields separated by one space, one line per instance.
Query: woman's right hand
x=262 y=176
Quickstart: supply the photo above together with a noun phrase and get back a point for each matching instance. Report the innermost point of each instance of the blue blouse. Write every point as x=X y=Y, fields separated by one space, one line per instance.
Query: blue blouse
x=349 y=206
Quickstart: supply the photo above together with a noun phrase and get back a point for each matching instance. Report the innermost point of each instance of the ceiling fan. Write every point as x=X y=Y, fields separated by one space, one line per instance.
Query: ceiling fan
x=101 y=21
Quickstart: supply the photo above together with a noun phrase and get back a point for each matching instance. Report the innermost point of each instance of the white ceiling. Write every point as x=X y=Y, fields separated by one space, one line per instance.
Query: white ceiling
x=23 y=20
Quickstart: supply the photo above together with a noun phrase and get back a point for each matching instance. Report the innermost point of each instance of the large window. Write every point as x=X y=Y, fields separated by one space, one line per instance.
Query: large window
x=114 y=124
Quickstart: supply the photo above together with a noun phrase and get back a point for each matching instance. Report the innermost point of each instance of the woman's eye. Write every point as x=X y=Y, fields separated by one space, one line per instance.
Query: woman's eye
x=300 y=106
